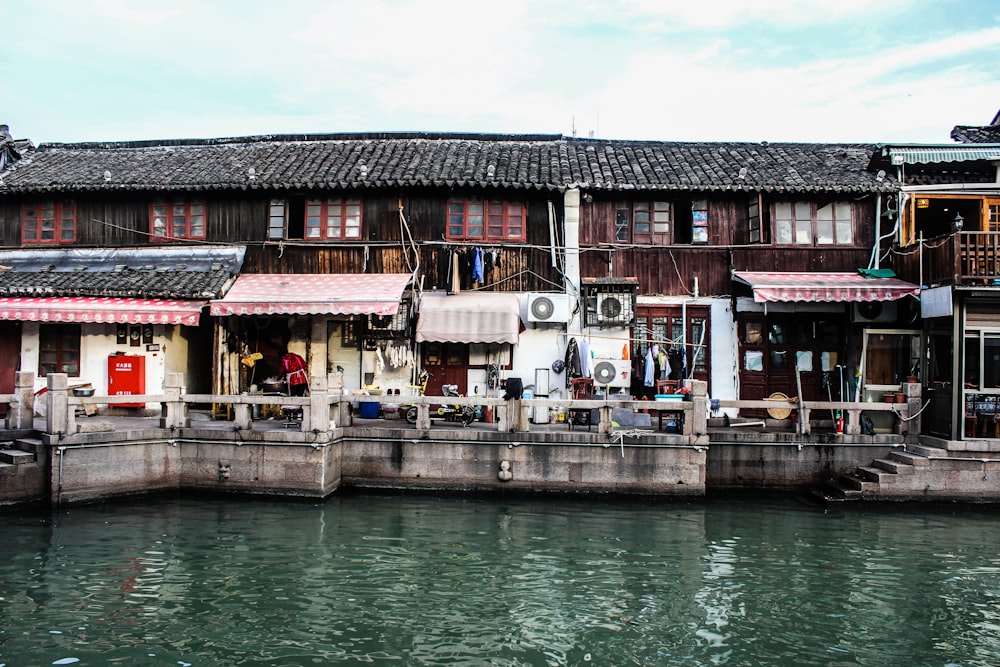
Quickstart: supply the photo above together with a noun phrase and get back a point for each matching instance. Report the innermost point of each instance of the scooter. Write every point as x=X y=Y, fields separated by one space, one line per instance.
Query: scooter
x=465 y=414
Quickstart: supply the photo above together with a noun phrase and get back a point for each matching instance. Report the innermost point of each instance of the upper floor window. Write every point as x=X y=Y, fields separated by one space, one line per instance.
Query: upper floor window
x=480 y=219
x=177 y=219
x=643 y=221
x=48 y=222
x=808 y=223
x=59 y=349
x=753 y=220
x=337 y=219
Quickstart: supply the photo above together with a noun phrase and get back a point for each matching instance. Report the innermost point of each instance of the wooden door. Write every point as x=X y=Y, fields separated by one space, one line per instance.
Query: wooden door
x=10 y=357
x=772 y=346
x=447 y=363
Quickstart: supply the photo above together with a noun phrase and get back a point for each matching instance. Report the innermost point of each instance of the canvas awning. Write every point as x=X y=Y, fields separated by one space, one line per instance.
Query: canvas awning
x=817 y=287
x=469 y=318
x=81 y=309
x=313 y=294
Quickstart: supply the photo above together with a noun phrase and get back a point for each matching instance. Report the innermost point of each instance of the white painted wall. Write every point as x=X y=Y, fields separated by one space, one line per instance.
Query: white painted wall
x=98 y=342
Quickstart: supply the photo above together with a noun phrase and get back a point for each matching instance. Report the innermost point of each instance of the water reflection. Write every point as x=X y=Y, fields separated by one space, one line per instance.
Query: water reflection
x=435 y=581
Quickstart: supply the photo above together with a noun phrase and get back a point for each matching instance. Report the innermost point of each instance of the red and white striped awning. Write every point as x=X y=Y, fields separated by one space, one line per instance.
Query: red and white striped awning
x=313 y=294
x=815 y=287
x=85 y=309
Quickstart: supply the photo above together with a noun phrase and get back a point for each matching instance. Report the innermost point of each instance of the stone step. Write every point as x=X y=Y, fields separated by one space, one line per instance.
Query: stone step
x=16 y=456
x=870 y=474
x=909 y=459
x=893 y=466
x=925 y=450
x=33 y=445
x=7 y=469
x=853 y=481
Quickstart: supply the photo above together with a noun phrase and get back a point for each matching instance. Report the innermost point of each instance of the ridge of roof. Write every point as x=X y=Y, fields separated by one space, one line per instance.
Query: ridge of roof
x=300 y=138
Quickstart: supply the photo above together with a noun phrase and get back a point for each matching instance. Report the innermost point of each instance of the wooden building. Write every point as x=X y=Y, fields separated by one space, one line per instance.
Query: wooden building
x=516 y=245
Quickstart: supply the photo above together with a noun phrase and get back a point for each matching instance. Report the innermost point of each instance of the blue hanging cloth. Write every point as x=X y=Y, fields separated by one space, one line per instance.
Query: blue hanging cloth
x=477 y=264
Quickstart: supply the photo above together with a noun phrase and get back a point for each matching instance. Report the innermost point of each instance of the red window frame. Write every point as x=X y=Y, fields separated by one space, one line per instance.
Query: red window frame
x=48 y=223
x=59 y=349
x=639 y=220
x=177 y=219
x=333 y=219
x=485 y=220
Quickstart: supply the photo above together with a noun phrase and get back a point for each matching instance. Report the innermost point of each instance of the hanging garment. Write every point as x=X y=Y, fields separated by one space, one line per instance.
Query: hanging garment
x=456 y=277
x=585 y=357
x=477 y=265
x=293 y=367
x=649 y=373
x=572 y=362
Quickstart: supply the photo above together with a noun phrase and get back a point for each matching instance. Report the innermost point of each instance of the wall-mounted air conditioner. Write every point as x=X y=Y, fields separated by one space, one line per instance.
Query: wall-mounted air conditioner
x=548 y=308
x=873 y=311
x=612 y=372
x=615 y=310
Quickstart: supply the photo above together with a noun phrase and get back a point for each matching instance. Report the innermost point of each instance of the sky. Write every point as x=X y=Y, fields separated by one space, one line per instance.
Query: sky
x=879 y=71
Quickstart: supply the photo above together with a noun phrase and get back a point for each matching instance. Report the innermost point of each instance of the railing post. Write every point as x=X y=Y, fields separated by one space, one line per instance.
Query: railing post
x=699 y=408
x=914 y=401
x=318 y=417
x=21 y=414
x=58 y=417
x=173 y=411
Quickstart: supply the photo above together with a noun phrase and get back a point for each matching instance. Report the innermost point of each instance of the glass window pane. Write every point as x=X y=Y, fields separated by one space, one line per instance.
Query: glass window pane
x=754 y=360
x=779 y=360
x=824 y=232
x=803 y=232
x=972 y=362
x=844 y=233
x=825 y=212
x=783 y=231
x=991 y=362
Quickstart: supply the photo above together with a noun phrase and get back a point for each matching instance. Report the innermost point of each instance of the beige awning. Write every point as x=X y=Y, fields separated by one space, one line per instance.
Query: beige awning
x=469 y=318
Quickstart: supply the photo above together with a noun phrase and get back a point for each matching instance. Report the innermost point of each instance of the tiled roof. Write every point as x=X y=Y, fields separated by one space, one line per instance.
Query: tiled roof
x=976 y=134
x=161 y=273
x=542 y=162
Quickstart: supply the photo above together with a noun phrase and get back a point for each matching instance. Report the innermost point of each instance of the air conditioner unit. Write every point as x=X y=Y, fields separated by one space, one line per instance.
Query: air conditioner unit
x=614 y=309
x=612 y=372
x=873 y=311
x=388 y=323
x=548 y=308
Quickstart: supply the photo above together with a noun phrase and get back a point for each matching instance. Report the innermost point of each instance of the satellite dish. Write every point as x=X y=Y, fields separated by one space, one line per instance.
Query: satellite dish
x=605 y=372
x=542 y=308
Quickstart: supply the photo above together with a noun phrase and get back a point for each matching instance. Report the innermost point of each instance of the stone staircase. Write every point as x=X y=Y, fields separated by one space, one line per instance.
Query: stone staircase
x=22 y=469
x=918 y=472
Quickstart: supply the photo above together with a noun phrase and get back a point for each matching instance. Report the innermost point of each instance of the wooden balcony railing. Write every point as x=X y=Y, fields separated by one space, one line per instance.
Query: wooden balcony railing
x=954 y=259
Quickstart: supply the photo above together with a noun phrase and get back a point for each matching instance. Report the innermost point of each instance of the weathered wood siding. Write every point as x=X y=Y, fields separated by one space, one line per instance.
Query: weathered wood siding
x=242 y=218
x=671 y=269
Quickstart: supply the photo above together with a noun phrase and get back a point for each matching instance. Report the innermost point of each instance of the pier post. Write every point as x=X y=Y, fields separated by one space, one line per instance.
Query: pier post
x=59 y=419
x=698 y=395
x=316 y=417
x=173 y=411
x=21 y=414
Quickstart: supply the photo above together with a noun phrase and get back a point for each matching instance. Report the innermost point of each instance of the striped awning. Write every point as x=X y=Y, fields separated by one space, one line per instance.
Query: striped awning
x=824 y=287
x=929 y=154
x=83 y=310
x=313 y=294
x=469 y=318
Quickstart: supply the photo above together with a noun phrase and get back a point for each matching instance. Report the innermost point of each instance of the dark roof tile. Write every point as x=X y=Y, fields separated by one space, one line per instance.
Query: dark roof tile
x=335 y=162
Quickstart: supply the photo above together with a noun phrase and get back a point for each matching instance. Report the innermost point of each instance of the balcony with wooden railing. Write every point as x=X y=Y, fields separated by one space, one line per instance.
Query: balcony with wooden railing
x=964 y=258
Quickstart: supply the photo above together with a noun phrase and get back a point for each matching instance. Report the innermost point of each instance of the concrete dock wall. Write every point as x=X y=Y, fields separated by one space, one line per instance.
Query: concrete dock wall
x=377 y=460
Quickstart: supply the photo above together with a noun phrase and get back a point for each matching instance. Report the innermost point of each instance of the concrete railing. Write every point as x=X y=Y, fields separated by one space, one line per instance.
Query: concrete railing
x=323 y=410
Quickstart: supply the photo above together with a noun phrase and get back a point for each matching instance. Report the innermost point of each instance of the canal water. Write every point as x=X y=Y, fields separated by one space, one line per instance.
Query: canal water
x=422 y=580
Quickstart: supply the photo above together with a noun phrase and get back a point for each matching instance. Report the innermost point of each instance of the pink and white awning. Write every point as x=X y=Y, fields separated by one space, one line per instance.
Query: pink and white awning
x=816 y=287
x=313 y=294
x=98 y=310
